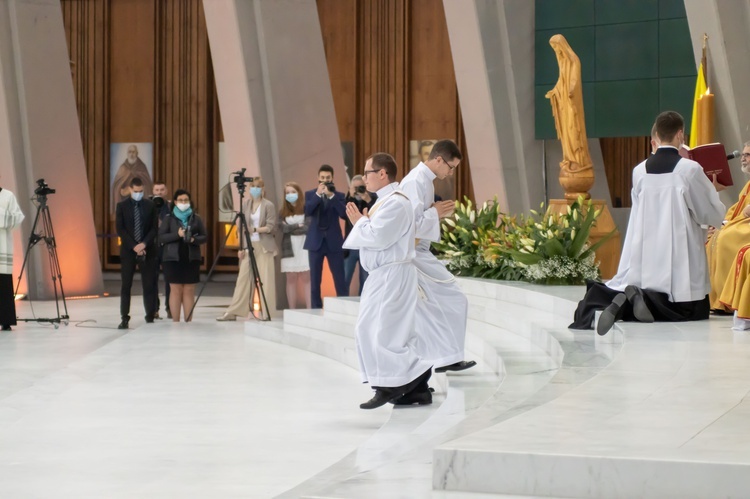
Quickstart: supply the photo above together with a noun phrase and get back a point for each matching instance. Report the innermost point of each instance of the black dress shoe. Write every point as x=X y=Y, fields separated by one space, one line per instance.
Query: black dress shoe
x=415 y=397
x=458 y=366
x=150 y=319
x=123 y=325
x=610 y=315
x=382 y=397
x=5 y=327
x=640 y=309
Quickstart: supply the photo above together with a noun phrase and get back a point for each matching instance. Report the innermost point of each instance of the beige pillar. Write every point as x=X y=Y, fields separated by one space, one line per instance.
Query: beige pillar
x=40 y=138
x=274 y=92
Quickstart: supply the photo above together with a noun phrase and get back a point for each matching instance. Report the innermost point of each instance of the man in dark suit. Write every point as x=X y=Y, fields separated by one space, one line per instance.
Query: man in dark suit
x=325 y=207
x=137 y=225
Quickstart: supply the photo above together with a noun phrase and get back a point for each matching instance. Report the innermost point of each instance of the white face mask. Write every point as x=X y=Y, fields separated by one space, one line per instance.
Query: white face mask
x=182 y=206
x=136 y=196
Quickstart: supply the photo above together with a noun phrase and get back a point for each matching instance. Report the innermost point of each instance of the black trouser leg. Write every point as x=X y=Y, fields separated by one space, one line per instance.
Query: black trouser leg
x=149 y=275
x=127 y=269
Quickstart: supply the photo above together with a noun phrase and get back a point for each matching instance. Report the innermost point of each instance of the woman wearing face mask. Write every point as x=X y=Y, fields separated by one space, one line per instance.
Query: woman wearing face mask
x=294 y=262
x=261 y=222
x=181 y=233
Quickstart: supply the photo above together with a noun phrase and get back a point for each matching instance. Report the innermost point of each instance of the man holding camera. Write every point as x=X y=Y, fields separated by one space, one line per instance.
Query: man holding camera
x=137 y=223
x=325 y=207
x=163 y=208
x=362 y=199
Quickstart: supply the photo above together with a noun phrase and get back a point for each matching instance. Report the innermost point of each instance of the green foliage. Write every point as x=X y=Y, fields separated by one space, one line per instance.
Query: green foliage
x=544 y=248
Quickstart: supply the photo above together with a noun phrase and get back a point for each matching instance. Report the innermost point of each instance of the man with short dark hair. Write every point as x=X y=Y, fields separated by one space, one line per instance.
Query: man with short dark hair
x=163 y=208
x=137 y=226
x=362 y=199
x=442 y=308
x=663 y=275
x=325 y=207
x=386 y=341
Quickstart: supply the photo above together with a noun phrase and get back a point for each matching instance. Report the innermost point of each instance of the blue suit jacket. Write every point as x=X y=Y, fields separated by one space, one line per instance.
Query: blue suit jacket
x=324 y=221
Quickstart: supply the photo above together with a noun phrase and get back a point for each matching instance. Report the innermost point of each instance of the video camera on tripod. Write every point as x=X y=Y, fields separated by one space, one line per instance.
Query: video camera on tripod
x=42 y=231
x=240 y=179
x=42 y=188
x=240 y=222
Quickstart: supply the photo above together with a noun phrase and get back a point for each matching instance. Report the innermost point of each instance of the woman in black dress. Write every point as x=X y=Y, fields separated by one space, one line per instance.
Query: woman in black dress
x=181 y=233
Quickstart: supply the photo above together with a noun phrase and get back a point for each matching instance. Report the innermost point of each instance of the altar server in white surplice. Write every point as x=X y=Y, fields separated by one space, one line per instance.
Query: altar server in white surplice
x=11 y=217
x=663 y=272
x=442 y=307
x=388 y=359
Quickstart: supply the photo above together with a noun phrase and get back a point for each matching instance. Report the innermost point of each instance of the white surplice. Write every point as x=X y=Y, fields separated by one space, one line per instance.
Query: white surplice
x=664 y=247
x=11 y=217
x=442 y=308
x=385 y=325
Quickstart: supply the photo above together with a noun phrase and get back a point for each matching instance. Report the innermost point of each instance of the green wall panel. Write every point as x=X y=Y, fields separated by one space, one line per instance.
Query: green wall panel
x=674 y=60
x=677 y=94
x=636 y=58
x=627 y=51
x=551 y=14
x=672 y=9
x=625 y=11
x=626 y=108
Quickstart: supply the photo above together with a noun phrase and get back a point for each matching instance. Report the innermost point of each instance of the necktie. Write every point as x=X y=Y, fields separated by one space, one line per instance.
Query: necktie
x=323 y=222
x=138 y=224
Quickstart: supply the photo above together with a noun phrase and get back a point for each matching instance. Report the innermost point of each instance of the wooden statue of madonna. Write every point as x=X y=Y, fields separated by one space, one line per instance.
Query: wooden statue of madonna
x=576 y=168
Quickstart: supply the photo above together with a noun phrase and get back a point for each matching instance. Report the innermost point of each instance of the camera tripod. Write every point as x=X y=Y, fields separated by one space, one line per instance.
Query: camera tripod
x=47 y=235
x=245 y=241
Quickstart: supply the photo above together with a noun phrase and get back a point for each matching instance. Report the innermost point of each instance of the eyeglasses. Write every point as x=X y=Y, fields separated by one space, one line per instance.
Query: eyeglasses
x=452 y=167
x=370 y=171
x=746 y=154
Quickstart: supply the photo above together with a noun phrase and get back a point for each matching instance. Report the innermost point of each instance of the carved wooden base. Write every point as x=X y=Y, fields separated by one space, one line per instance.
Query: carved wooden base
x=575 y=180
x=609 y=253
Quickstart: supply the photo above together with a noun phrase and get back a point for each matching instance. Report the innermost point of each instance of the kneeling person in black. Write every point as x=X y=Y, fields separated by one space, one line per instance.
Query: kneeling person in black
x=663 y=273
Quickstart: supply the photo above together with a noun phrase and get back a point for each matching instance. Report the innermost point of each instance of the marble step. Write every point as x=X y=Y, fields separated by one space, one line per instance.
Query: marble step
x=333 y=346
x=348 y=305
x=321 y=321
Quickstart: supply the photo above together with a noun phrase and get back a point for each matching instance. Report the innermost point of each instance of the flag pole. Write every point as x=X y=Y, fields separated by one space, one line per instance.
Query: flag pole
x=704 y=60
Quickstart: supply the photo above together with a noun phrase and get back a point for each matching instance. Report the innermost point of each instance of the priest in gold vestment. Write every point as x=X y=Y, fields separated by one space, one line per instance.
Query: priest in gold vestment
x=724 y=245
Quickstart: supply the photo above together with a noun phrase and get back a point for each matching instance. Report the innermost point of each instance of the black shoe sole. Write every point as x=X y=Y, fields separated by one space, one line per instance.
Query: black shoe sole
x=640 y=309
x=458 y=366
x=610 y=315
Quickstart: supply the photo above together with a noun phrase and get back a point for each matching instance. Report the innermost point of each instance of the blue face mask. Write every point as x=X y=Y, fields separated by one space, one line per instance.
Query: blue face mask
x=256 y=192
x=292 y=197
x=136 y=196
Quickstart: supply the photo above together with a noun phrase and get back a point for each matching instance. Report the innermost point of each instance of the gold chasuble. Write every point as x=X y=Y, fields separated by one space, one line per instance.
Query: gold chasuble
x=723 y=252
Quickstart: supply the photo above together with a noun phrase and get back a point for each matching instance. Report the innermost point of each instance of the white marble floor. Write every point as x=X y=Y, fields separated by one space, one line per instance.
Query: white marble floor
x=167 y=410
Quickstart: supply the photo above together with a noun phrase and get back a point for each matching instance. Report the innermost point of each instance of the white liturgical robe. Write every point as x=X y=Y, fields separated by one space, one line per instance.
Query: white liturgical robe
x=664 y=247
x=385 y=325
x=442 y=308
x=11 y=217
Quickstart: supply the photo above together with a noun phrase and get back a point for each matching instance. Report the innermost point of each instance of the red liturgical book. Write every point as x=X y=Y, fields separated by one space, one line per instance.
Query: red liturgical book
x=713 y=159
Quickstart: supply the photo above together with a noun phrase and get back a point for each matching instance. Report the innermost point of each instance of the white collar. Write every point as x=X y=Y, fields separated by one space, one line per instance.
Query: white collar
x=388 y=189
x=426 y=170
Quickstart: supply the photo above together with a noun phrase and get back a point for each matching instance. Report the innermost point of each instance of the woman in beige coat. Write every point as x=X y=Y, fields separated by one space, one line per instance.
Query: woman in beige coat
x=261 y=218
